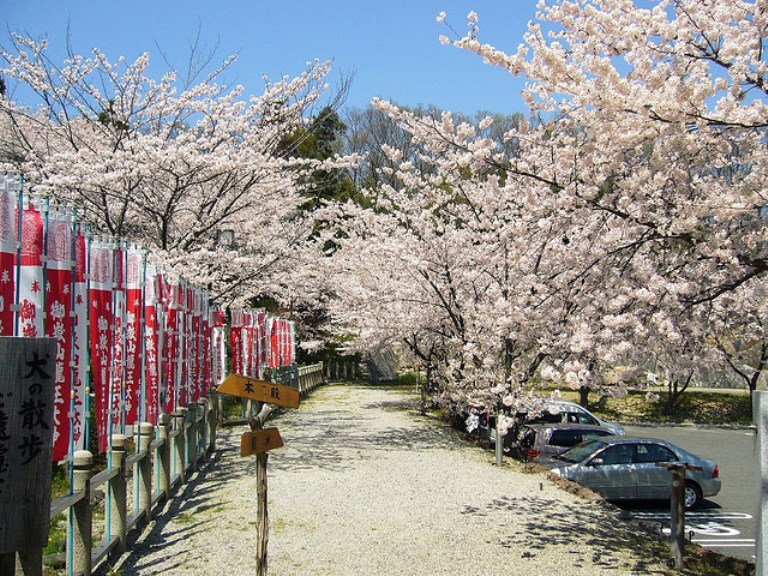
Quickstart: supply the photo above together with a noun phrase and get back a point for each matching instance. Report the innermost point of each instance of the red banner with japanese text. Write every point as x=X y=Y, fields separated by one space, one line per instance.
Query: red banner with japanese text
x=263 y=341
x=134 y=313
x=58 y=319
x=117 y=375
x=236 y=341
x=80 y=348
x=219 y=348
x=31 y=278
x=274 y=344
x=8 y=253
x=174 y=325
x=152 y=352
x=101 y=333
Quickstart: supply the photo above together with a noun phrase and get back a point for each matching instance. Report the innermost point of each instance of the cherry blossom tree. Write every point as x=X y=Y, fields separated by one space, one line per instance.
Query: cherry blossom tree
x=603 y=241
x=196 y=171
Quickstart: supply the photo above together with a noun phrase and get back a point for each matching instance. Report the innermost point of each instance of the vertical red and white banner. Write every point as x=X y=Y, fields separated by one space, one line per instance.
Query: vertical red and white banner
x=163 y=335
x=31 y=288
x=197 y=350
x=117 y=376
x=293 y=343
x=58 y=319
x=8 y=252
x=175 y=346
x=80 y=353
x=247 y=343
x=263 y=342
x=101 y=332
x=273 y=344
x=236 y=341
x=152 y=350
x=184 y=369
x=219 y=348
x=206 y=356
x=134 y=336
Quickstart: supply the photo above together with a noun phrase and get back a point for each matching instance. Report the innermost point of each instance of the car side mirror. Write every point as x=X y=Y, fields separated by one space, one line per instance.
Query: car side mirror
x=596 y=462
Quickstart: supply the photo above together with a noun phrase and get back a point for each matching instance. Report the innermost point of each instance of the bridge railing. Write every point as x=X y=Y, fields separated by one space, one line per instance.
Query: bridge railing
x=164 y=458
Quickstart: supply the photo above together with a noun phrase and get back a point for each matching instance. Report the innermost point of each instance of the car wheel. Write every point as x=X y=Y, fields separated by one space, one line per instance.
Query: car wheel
x=692 y=497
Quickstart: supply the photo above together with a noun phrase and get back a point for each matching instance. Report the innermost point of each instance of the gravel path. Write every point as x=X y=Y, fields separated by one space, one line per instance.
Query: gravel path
x=366 y=486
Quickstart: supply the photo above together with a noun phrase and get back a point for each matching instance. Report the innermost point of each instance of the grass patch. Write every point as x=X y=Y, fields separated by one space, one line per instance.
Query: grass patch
x=693 y=407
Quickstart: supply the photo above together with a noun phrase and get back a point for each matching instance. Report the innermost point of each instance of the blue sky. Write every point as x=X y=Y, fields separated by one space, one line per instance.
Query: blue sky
x=392 y=46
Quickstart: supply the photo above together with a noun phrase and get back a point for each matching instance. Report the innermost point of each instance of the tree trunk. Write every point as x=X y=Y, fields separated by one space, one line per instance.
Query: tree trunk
x=584 y=396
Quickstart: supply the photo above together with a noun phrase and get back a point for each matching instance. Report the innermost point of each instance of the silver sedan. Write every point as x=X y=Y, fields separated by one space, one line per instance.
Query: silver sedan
x=623 y=468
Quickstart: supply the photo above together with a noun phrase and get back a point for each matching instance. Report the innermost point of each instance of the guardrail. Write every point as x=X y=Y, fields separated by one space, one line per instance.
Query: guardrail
x=165 y=457
x=167 y=453
x=309 y=377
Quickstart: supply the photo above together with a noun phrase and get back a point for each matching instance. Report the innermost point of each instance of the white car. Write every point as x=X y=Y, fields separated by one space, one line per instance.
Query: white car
x=572 y=413
x=553 y=412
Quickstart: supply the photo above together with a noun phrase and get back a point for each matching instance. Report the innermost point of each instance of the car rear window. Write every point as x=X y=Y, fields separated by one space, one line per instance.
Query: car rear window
x=565 y=438
x=569 y=438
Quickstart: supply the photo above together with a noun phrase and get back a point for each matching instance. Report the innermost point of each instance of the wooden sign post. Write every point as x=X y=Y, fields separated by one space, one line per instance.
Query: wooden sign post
x=260 y=390
x=259 y=441
x=27 y=383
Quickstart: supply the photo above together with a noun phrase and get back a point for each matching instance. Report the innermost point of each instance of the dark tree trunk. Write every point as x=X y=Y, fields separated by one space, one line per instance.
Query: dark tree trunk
x=584 y=396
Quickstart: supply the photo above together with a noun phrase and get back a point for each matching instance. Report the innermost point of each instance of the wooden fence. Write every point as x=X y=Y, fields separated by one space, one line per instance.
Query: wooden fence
x=164 y=457
x=341 y=370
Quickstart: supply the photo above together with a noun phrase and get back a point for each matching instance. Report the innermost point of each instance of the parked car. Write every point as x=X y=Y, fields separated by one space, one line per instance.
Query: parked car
x=553 y=412
x=569 y=412
x=623 y=468
x=542 y=442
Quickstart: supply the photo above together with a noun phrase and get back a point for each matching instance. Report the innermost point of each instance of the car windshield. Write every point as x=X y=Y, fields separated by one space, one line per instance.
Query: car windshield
x=581 y=451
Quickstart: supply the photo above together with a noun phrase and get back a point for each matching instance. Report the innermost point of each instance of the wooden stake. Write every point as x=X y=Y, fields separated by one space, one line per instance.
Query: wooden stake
x=262 y=526
x=677 y=536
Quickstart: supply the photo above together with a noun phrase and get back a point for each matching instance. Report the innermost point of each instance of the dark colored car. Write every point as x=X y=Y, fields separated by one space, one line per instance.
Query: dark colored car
x=623 y=468
x=542 y=442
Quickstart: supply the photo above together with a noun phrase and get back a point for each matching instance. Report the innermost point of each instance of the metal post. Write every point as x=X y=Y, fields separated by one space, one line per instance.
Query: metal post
x=499 y=442
x=117 y=494
x=82 y=520
x=760 y=420
x=146 y=431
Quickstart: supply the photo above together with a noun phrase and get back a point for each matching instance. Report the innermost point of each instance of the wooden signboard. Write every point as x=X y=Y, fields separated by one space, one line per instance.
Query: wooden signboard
x=259 y=390
x=26 y=441
x=260 y=441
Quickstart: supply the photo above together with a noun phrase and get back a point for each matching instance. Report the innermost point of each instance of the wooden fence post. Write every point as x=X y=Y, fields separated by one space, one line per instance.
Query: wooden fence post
x=213 y=417
x=192 y=436
x=82 y=520
x=677 y=504
x=180 y=442
x=145 y=470
x=202 y=426
x=164 y=463
x=117 y=494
